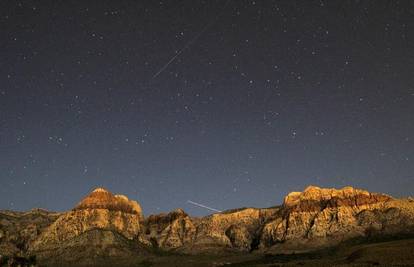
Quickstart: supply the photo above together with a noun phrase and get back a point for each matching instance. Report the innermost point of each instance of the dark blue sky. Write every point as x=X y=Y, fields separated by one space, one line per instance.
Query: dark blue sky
x=260 y=98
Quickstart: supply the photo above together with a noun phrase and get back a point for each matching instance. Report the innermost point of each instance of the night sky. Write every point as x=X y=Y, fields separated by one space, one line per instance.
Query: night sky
x=225 y=103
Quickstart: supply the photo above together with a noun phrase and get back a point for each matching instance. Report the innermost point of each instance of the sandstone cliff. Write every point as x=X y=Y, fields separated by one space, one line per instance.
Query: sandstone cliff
x=103 y=199
x=311 y=219
x=173 y=230
x=236 y=229
x=103 y=223
x=321 y=217
x=99 y=210
x=18 y=230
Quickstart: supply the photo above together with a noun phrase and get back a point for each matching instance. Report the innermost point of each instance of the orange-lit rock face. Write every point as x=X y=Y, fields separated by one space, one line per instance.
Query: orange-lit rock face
x=231 y=229
x=102 y=199
x=326 y=216
x=310 y=219
x=315 y=199
x=77 y=222
x=99 y=210
x=172 y=230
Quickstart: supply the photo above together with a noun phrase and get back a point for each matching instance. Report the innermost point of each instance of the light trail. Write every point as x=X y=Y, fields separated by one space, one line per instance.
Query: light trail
x=189 y=43
x=202 y=206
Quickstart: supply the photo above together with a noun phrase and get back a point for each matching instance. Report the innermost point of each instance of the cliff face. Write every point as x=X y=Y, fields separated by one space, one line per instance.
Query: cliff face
x=108 y=223
x=315 y=199
x=18 y=230
x=102 y=199
x=99 y=210
x=173 y=230
x=236 y=229
x=321 y=217
x=314 y=218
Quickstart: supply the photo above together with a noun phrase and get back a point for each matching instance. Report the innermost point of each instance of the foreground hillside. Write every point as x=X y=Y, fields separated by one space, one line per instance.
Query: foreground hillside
x=318 y=226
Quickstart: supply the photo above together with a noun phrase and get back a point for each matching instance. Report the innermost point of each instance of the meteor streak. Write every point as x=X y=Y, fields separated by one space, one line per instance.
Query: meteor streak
x=202 y=206
x=189 y=43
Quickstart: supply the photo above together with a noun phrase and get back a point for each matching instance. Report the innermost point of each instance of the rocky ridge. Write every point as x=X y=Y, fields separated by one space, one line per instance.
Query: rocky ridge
x=99 y=210
x=102 y=199
x=324 y=217
x=19 y=230
x=314 y=218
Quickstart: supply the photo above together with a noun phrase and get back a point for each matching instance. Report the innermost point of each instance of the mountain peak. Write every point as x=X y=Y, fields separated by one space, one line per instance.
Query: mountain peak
x=100 y=190
x=312 y=188
x=315 y=218
x=101 y=198
x=314 y=197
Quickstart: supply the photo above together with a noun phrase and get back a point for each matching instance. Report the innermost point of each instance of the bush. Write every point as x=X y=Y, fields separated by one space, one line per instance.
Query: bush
x=4 y=260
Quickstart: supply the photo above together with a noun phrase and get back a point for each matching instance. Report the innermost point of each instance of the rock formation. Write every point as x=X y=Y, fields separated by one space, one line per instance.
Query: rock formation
x=99 y=210
x=313 y=218
x=102 y=199
x=173 y=230
x=18 y=230
x=114 y=225
x=236 y=229
x=321 y=217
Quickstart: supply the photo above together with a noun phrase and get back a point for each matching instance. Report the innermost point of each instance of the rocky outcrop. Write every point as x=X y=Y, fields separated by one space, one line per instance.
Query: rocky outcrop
x=236 y=229
x=18 y=230
x=314 y=198
x=93 y=248
x=233 y=229
x=103 y=199
x=107 y=224
x=169 y=231
x=100 y=210
x=322 y=217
